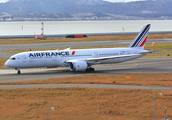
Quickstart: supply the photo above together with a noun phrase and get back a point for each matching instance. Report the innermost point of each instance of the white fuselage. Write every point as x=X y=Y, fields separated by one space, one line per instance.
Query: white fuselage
x=83 y=59
x=34 y=59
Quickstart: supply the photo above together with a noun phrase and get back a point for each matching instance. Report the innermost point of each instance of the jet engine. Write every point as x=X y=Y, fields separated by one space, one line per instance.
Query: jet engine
x=78 y=66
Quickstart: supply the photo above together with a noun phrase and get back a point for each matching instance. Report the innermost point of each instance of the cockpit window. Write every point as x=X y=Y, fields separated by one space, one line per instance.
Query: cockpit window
x=12 y=58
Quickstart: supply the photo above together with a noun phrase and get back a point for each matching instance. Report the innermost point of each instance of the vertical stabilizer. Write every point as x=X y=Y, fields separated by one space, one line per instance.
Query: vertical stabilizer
x=140 y=40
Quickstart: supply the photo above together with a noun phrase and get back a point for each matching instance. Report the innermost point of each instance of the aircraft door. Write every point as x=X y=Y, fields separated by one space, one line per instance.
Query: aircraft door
x=96 y=54
x=55 y=59
x=128 y=52
x=23 y=58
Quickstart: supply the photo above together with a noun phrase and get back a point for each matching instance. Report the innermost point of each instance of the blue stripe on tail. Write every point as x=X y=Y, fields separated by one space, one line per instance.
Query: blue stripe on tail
x=140 y=37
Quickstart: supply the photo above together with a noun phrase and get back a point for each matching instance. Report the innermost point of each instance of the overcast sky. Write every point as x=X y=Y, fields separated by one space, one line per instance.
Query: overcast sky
x=123 y=0
x=3 y=0
x=104 y=0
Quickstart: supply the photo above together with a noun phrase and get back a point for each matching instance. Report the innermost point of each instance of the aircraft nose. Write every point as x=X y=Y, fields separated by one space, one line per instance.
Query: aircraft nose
x=7 y=63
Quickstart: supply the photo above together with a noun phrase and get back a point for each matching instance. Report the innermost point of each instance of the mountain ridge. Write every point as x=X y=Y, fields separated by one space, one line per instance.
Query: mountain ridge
x=35 y=7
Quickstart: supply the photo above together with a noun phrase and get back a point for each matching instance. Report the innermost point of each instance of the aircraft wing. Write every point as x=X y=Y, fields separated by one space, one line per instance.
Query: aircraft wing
x=97 y=59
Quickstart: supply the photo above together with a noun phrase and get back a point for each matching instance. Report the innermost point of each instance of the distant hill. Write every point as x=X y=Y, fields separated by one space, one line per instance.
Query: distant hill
x=154 y=8
x=46 y=6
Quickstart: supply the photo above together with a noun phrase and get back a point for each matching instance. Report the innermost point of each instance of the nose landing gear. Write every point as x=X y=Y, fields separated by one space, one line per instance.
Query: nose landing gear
x=18 y=70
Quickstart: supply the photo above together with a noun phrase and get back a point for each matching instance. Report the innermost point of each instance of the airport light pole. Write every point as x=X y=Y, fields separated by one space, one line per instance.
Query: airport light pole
x=155 y=105
x=42 y=30
x=165 y=113
x=48 y=112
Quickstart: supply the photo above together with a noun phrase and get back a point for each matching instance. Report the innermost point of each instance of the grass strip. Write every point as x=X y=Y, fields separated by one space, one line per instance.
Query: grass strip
x=87 y=103
x=89 y=38
x=147 y=47
x=2 y=62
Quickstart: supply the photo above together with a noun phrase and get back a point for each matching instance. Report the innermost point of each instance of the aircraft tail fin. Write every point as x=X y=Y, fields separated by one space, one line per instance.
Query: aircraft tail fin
x=140 y=40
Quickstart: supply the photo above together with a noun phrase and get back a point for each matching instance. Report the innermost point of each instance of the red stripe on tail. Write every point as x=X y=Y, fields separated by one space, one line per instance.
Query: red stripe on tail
x=143 y=42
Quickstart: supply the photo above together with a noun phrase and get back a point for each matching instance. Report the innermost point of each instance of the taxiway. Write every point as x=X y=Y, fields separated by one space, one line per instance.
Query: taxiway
x=141 y=65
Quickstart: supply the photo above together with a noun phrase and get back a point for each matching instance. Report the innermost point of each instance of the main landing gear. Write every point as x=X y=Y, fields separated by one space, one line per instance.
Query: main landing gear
x=90 y=69
x=18 y=70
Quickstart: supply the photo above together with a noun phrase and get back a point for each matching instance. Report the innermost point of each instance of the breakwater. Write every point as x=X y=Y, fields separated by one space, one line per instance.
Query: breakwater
x=88 y=34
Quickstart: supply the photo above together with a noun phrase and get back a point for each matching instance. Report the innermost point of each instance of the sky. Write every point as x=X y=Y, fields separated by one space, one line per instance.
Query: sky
x=3 y=1
x=123 y=0
x=104 y=0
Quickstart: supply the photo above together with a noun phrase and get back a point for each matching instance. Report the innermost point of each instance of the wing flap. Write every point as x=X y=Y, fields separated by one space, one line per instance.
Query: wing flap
x=91 y=60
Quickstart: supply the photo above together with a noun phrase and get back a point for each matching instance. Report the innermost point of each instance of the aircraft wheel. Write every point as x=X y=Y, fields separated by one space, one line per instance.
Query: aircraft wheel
x=90 y=70
x=19 y=72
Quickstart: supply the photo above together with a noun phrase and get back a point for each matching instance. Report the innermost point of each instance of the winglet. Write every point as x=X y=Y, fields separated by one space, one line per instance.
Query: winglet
x=68 y=48
x=140 y=40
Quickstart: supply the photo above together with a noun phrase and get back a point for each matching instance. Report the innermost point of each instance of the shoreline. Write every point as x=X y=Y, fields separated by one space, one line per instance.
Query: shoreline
x=87 y=34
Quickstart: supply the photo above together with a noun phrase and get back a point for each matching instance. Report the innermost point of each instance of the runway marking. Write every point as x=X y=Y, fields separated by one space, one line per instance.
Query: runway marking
x=119 y=66
x=154 y=62
x=123 y=66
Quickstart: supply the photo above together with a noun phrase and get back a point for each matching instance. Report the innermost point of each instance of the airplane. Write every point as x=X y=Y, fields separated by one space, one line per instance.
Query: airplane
x=80 y=59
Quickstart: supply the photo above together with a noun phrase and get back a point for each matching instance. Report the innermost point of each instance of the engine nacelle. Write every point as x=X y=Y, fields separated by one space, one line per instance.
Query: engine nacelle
x=78 y=66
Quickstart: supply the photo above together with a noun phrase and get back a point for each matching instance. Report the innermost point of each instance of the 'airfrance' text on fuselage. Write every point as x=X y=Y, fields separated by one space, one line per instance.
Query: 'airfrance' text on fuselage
x=49 y=54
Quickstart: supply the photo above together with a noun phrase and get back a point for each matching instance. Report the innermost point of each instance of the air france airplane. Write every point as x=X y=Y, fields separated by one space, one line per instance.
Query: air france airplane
x=81 y=59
